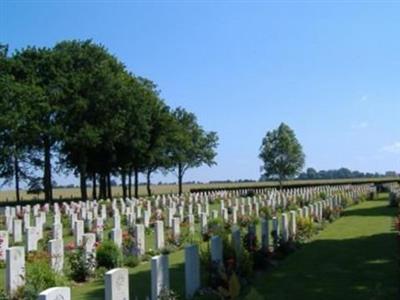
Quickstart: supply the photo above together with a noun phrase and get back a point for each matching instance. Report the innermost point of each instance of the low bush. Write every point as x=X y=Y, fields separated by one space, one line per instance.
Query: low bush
x=266 y=212
x=82 y=267
x=39 y=277
x=394 y=199
x=167 y=294
x=331 y=214
x=346 y=201
x=322 y=195
x=37 y=255
x=305 y=229
x=108 y=255
x=100 y=272
x=131 y=261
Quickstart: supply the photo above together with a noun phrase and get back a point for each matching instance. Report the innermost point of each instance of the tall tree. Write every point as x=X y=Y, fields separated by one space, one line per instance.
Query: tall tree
x=37 y=67
x=14 y=124
x=130 y=145
x=159 y=140
x=281 y=153
x=90 y=105
x=193 y=146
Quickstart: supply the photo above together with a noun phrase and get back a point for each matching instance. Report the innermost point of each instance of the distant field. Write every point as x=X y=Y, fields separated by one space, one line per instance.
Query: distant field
x=64 y=193
x=75 y=192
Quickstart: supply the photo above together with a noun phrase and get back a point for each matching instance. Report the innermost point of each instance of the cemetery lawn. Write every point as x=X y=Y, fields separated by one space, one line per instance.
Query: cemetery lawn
x=353 y=258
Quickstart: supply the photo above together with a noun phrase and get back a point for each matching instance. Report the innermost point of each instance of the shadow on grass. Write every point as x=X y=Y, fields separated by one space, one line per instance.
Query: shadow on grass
x=362 y=268
x=372 y=211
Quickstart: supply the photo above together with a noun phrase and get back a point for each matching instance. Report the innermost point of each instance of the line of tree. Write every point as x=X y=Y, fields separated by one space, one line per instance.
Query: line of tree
x=341 y=173
x=76 y=108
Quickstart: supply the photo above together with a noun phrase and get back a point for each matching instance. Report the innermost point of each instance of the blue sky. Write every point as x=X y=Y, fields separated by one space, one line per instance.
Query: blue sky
x=329 y=70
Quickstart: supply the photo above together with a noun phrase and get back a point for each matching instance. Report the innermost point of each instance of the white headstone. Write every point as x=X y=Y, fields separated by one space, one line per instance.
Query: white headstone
x=78 y=232
x=159 y=275
x=192 y=270
x=140 y=239
x=17 y=230
x=57 y=231
x=159 y=234
x=31 y=239
x=116 y=236
x=15 y=268
x=264 y=234
x=116 y=283
x=3 y=244
x=216 y=249
x=56 y=293
x=56 y=251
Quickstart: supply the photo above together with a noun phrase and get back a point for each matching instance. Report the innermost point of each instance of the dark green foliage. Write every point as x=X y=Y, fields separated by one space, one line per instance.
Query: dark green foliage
x=281 y=153
x=193 y=146
x=131 y=261
x=77 y=105
x=108 y=255
x=39 y=277
x=82 y=267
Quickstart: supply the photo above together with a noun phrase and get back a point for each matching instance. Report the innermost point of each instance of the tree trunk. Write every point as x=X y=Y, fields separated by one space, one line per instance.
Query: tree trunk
x=16 y=171
x=136 y=182
x=130 y=182
x=94 y=194
x=48 y=190
x=102 y=190
x=109 y=191
x=82 y=173
x=123 y=181
x=180 y=177
x=148 y=184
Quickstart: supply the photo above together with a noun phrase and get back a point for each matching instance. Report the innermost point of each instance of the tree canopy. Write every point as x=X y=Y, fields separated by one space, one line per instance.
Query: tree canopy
x=76 y=108
x=281 y=153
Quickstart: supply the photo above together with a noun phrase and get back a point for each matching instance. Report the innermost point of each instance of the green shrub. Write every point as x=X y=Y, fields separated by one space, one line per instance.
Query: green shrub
x=245 y=264
x=216 y=227
x=371 y=195
x=292 y=206
x=363 y=198
x=346 y=201
x=167 y=294
x=394 y=199
x=266 y=212
x=42 y=244
x=81 y=266
x=330 y=214
x=100 y=272
x=131 y=261
x=39 y=277
x=108 y=255
x=305 y=229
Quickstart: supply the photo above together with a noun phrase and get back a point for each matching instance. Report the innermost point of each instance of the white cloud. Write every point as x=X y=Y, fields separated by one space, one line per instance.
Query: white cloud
x=393 y=148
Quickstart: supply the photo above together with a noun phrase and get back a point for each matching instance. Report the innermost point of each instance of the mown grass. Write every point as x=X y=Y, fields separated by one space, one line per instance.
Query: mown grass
x=353 y=258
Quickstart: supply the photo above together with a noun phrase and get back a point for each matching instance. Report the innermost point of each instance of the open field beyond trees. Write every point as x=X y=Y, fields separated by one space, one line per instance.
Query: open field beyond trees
x=66 y=193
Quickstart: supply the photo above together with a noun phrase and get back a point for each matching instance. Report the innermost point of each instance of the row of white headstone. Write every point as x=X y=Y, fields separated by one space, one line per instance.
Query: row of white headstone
x=116 y=280
x=81 y=213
